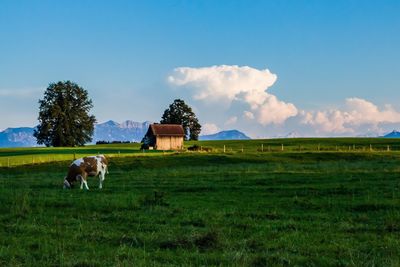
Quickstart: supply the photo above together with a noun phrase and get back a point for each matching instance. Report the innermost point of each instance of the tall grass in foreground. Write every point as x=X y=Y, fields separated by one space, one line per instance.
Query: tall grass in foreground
x=207 y=209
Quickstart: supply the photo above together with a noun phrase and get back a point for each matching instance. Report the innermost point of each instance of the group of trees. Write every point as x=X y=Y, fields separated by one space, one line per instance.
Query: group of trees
x=64 y=118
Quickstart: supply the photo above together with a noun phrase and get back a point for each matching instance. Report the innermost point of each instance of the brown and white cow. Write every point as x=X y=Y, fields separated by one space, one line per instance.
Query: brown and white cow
x=81 y=168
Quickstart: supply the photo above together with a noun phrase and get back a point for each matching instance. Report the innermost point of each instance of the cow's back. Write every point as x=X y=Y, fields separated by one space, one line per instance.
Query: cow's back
x=91 y=165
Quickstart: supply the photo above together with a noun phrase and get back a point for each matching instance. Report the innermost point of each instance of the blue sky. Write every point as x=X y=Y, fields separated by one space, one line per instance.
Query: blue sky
x=334 y=60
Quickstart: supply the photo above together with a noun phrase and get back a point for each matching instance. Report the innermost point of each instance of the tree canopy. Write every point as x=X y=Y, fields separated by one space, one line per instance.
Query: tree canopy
x=64 y=118
x=180 y=113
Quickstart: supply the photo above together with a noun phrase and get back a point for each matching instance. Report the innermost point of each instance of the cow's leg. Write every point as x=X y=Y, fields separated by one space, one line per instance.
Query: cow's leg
x=80 y=180
x=83 y=179
x=101 y=179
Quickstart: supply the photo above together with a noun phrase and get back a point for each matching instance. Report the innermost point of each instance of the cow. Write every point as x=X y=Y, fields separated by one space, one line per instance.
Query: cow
x=80 y=169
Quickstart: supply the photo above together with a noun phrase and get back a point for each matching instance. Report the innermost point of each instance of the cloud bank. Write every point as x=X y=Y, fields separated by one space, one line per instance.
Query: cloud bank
x=356 y=112
x=243 y=90
x=234 y=83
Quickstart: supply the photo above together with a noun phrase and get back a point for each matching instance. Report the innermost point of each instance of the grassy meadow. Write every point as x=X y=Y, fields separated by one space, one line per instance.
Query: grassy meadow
x=319 y=202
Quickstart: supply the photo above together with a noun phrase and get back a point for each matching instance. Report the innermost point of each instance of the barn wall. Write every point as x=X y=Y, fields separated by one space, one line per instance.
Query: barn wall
x=176 y=142
x=169 y=142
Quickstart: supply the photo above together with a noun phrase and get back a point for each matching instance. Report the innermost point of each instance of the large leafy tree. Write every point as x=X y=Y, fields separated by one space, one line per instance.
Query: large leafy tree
x=180 y=113
x=64 y=118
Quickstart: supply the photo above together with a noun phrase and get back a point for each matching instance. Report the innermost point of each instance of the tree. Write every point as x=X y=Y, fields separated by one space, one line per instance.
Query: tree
x=64 y=118
x=180 y=113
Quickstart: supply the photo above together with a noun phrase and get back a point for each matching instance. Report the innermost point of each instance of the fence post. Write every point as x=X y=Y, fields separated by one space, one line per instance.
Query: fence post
x=262 y=147
x=224 y=148
x=242 y=149
x=370 y=147
x=388 y=148
x=282 y=147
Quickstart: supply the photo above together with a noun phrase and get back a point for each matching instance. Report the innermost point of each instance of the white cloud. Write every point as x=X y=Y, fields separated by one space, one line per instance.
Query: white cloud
x=363 y=112
x=274 y=111
x=209 y=128
x=235 y=83
x=222 y=81
x=242 y=92
x=329 y=121
x=248 y=115
x=231 y=120
x=356 y=112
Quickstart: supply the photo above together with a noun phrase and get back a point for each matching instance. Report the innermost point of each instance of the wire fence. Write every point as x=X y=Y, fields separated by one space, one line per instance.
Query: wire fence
x=17 y=160
x=263 y=148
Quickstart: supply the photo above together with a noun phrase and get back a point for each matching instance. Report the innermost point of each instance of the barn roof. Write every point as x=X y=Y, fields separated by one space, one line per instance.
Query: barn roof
x=167 y=129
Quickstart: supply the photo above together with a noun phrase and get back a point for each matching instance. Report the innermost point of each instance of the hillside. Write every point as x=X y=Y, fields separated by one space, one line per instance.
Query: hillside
x=393 y=134
x=207 y=209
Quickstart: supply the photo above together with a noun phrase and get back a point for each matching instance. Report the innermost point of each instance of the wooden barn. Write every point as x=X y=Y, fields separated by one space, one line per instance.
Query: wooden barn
x=164 y=137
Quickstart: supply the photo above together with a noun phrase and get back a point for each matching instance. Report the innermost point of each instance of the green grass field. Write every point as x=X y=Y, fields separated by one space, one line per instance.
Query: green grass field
x=319 y=202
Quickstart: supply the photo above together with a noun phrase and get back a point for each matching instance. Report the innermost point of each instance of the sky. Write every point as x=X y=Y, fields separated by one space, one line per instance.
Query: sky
x=267 y=68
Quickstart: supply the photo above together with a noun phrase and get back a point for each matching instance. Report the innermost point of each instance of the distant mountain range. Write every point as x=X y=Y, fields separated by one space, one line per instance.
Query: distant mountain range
x=108 y=131
x=127 y=131
x=293 y=134
x=17 y=137
x=225 y=135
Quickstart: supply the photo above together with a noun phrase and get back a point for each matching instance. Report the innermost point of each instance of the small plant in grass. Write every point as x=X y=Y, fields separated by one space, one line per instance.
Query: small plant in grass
x=22 y=206
x=202 y=241
x=155 y=199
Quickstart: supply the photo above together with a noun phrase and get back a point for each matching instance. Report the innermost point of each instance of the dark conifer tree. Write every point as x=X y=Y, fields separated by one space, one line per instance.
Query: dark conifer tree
x=180 y=113
x=64 y=118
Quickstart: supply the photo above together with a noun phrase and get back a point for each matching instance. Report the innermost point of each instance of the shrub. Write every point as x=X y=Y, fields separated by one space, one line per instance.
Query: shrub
x=199 y=148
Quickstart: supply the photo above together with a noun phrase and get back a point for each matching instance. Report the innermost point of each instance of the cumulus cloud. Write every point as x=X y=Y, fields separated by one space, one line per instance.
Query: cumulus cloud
x=236 y=83
x=248 y=115
x=243 y=92
x=209 y=128
x=274 y=111
x=356 y=112
x=231 y=120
